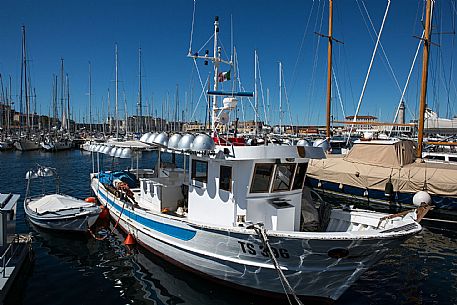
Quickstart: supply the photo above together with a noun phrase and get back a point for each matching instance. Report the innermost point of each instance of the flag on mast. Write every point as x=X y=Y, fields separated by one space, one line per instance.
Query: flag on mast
x=223 y=76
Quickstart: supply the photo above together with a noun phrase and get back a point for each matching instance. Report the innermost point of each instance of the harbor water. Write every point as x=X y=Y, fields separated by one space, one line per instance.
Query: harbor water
x=73 y=269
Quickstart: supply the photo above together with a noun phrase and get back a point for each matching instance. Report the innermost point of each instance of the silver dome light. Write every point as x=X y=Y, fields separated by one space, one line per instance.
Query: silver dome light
x=174 y=141
x=203 y=142
x=145 y=136
x=303 y=142
x=107 y=150
x=112 y=153
x=186 y=141
x=118 y=152
x=126 y=153
x=152 y=136
x=161 y=139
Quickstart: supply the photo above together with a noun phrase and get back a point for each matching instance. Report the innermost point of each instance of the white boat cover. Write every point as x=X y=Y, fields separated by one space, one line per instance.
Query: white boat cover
x=57 y=202
x=370 y=166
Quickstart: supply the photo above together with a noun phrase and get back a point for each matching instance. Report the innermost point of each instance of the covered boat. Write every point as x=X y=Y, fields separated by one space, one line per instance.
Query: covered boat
x=386 y=171
x=57 y=211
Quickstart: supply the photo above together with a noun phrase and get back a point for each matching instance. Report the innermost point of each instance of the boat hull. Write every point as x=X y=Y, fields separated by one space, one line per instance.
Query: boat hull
x=238 y=257
x=26 y=145
x=75 y=220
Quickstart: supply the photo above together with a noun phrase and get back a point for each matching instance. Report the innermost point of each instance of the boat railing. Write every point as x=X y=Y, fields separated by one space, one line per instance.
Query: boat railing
x=11 y=251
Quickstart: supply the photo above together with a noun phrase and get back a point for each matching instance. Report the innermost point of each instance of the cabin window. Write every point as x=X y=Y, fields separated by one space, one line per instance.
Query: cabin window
x=433 y=157
x=300 y=176
x=200 y=170
x=283 y=177
x=261 y=179
x=452 y=159
x=225 y=178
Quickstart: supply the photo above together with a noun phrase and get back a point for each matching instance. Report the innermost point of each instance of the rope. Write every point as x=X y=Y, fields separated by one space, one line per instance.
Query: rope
x=112 y=231
x=407 y=79
x=203 y=89
x=192 y=29
x=338 y=92
x=262 y=233
x=369 y=69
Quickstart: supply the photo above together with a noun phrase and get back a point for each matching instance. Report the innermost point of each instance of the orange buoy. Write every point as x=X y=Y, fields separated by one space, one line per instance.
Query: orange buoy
x=104 y=213
x=91 y=199
x=129 y=240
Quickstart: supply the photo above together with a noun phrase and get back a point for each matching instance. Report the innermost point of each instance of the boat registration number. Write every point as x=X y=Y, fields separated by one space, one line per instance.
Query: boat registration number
x=253 y=249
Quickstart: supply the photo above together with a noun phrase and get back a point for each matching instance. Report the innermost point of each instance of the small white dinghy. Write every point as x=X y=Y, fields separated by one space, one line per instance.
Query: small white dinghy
x=57 y=211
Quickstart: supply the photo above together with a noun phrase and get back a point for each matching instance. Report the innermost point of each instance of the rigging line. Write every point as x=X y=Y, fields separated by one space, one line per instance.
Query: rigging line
x=338 y=92
x=301 y=47
x=192 y=29
x=382 y=48
x=407 y=81
x=203 y=89
x=206 y=43
x=249 y=99
x=286 y=96
x=261 y=91
x=369 y=69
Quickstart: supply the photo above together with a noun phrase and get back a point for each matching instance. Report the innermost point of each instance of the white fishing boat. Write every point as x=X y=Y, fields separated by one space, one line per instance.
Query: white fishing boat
x=57 y=211
x=235 y=213
x=234 y=216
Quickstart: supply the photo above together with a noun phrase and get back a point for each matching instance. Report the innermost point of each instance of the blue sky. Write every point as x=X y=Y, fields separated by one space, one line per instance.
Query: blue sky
x=83 y=31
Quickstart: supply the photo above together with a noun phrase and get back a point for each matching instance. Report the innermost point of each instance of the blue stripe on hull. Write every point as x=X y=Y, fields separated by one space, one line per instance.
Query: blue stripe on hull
x=440 y=202
x=176 y=232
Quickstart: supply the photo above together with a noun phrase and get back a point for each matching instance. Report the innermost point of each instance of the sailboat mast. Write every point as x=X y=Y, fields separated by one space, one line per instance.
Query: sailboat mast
x=329 y=67
x=216 y=71
x=90 y=98
x=139 y=127
x=116 y=106
x=68 y=104
x=423 y=96
x=280 y=97
x=256 y=99
x=27 y=97
x=62 y=85
x=21 y=85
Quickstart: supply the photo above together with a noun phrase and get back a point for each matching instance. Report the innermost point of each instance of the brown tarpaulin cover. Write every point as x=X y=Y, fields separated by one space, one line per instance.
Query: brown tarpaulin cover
x=356 y=170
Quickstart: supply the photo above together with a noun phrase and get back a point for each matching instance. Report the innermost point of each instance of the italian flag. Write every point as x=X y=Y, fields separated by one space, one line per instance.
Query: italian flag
x=223 y=76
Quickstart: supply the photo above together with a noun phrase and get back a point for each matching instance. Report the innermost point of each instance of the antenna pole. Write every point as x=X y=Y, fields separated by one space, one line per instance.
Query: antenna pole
x=216 y=55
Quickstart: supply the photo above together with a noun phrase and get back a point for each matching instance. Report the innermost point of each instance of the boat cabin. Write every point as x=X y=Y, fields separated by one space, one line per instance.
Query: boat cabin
x=231 y=186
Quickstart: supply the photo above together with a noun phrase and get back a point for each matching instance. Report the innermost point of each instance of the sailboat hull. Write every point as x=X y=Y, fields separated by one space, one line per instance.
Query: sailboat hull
x=26 y=145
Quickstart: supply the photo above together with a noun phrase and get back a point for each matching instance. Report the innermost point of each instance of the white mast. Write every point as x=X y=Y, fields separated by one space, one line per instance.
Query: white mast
x=90 y=98
x=256 y=101
x=216 y=54
x=139 y=127
x=62 y=93
x=280 y=97
x=116 y=106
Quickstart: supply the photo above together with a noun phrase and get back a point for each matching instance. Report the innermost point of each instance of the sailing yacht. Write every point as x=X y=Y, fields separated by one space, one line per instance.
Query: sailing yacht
x=387 y=171
x=26 y=141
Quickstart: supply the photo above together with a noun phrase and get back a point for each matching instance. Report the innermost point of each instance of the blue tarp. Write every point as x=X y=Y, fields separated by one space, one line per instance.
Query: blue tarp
x=108 y=178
